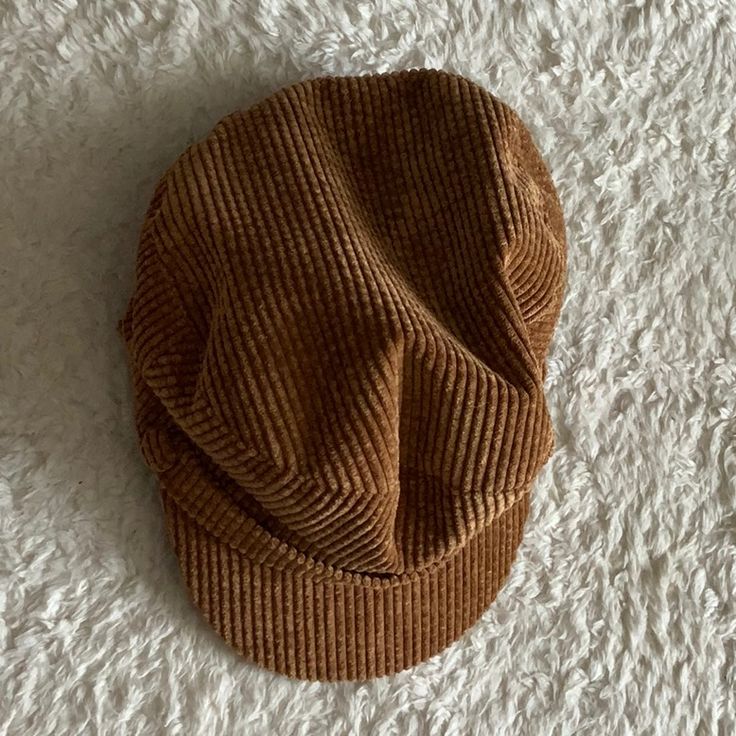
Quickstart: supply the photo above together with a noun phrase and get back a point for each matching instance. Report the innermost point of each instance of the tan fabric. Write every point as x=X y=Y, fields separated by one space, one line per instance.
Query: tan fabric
x=343 y=302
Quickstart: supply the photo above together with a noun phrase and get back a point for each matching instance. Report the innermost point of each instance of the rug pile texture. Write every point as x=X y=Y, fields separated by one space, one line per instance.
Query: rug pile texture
x=619 y=616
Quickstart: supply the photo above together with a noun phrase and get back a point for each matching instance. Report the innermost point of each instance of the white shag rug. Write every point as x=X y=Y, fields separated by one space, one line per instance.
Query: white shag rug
x=620 y=614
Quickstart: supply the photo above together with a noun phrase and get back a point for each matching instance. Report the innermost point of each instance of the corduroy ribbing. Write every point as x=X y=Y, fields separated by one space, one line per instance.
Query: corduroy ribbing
x=344 y=299
x=333 y=626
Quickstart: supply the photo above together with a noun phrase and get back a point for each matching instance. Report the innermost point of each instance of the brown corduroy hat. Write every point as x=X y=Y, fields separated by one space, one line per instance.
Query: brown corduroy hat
x=344 y=298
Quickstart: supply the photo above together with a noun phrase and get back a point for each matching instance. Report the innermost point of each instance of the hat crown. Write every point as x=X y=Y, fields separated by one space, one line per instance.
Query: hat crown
x=344 y=300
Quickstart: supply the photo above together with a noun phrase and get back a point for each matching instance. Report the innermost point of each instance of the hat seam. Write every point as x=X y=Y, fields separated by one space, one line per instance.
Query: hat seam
x=325 y=573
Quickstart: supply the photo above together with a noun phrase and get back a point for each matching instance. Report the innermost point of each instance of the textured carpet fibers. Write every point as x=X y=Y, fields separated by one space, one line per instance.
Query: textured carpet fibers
x=619 y=616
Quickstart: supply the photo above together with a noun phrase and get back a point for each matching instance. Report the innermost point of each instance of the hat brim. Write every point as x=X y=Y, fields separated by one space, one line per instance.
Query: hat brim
x=307 y=620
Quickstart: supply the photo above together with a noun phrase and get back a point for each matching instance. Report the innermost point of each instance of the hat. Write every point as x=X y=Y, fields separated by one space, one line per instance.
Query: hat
x=344 y=297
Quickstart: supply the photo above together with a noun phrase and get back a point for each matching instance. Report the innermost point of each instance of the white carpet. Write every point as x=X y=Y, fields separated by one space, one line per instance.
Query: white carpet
x=620 y=615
